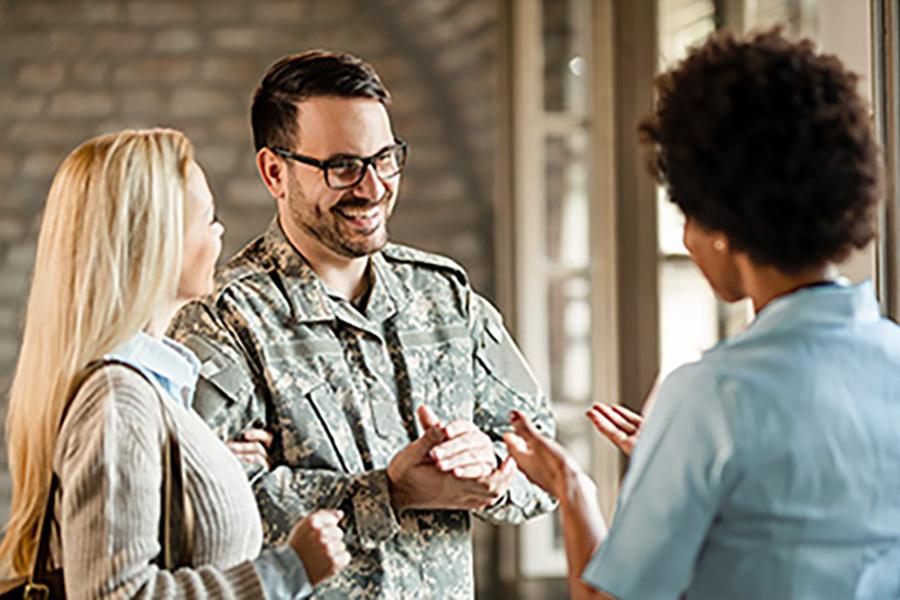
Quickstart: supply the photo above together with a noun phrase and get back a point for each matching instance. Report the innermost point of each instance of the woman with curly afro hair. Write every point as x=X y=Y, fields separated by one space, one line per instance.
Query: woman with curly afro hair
x=769 y=468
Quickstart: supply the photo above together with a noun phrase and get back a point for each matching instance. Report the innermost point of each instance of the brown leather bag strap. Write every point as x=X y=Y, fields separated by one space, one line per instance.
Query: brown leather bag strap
x=176 y=514
x=42 y=558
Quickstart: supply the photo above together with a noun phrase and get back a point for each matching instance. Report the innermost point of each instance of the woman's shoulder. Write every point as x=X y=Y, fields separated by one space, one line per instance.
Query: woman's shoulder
x=113 y=400
x=119 y=387
x=699 y=375
x=706 y=386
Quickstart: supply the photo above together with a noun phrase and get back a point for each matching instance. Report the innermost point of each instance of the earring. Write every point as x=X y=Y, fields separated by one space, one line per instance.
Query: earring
x=719 y=245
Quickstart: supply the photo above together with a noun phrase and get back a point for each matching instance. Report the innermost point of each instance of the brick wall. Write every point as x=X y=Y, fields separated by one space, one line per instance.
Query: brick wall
x=73 y=69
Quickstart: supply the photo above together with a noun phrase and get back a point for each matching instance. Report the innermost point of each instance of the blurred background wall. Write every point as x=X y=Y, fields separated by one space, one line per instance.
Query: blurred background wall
x=73 y=69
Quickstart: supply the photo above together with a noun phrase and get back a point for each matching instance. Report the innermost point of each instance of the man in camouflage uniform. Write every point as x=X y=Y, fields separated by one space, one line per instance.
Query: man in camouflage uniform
x=384 y=380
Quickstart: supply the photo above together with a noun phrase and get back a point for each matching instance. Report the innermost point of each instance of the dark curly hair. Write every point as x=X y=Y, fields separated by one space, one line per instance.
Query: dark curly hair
x=768 y=142
x=309 y=74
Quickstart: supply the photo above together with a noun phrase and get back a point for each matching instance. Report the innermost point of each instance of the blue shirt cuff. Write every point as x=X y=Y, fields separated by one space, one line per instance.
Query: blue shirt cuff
x=282 y=574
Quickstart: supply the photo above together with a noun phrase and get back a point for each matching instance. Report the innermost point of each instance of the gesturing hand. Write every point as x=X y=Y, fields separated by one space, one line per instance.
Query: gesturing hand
x=543 y=461
x=618 y=424
x=417 y=483
x=319 y=542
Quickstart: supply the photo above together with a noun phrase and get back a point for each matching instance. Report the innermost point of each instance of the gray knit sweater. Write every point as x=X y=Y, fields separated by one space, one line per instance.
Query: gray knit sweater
x=109 y=461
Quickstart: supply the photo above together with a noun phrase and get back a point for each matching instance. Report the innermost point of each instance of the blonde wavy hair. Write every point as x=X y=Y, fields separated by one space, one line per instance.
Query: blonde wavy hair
x=109 y=255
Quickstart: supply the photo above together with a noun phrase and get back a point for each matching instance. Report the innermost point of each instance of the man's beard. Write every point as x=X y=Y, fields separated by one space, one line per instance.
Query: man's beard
x=333 y=231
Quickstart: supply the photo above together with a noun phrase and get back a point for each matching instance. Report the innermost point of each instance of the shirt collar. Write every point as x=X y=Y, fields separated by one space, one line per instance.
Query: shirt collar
x=839 y=303
x=171 y=364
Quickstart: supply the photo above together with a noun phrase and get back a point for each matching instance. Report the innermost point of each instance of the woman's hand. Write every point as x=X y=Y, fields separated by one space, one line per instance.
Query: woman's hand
x=618 y=424
x=549 y=466
x=319 y=542
x=254 y=447
x=543 y=461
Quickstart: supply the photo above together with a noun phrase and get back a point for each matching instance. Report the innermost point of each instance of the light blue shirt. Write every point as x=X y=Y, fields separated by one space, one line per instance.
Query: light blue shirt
x=771 y=467
x=174 y=368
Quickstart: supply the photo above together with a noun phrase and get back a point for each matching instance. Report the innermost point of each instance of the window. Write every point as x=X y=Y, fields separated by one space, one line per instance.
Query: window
x=554 y=275
x=886 y=93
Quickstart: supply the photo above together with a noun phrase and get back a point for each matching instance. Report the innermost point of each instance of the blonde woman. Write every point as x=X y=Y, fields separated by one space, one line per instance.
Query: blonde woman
x=129 y=235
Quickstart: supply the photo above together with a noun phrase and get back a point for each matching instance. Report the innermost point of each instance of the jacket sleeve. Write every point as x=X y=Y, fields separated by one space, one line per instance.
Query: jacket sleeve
x=231 y=397
x=503 y=383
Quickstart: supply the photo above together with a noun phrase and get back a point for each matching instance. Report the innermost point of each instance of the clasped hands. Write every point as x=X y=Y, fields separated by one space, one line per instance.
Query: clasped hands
x=450 y=467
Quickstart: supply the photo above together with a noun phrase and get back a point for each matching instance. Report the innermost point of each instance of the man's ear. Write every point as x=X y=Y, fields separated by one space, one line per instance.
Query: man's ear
x=273 y=171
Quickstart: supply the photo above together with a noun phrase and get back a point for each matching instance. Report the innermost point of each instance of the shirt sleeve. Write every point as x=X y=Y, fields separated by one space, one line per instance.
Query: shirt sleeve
x=684 y=464
x=282 y=574
x=228 y=396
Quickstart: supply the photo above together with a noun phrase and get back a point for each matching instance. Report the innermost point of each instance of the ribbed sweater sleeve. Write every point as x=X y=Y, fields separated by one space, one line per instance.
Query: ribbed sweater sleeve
x=109 y=461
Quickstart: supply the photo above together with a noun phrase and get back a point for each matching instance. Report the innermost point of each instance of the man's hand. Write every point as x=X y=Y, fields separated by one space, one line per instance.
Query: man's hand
x=319 y=542
x=417 y=483
x=467 y=452
x=254 y=448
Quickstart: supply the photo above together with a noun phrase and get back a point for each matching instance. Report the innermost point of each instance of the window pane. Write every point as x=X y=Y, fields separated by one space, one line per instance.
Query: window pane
x=798 y=17
x=567 y=205
x=670 y=225
x=569 y=337
x=564 y=59
x=683 y=23
x=688 y=314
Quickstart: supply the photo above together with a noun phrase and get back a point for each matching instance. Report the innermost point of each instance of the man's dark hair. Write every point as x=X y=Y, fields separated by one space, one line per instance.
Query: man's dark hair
x=310 y=74
x=768 y=142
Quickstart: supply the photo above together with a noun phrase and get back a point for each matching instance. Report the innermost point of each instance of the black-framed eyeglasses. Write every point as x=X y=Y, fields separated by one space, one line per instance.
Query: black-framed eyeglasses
x=343 y=172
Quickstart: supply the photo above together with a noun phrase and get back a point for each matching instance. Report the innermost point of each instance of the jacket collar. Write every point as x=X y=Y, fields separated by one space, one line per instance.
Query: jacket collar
x=309 y=297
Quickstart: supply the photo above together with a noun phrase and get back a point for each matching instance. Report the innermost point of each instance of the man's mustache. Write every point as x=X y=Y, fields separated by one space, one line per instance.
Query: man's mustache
x=352 y=201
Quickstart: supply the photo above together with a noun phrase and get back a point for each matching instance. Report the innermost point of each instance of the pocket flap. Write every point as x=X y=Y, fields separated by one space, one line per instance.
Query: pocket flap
x=432 y=337
x=333 y=420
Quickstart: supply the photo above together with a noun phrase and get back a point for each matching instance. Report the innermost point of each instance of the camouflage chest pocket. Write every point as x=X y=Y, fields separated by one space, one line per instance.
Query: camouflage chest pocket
x=440 y=367
x=308 y=414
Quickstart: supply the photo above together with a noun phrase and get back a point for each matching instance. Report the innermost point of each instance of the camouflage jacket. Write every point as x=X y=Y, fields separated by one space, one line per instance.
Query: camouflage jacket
x=339 y=386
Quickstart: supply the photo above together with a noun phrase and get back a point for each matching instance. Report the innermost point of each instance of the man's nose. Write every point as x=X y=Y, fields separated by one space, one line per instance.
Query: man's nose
x=371 y=186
